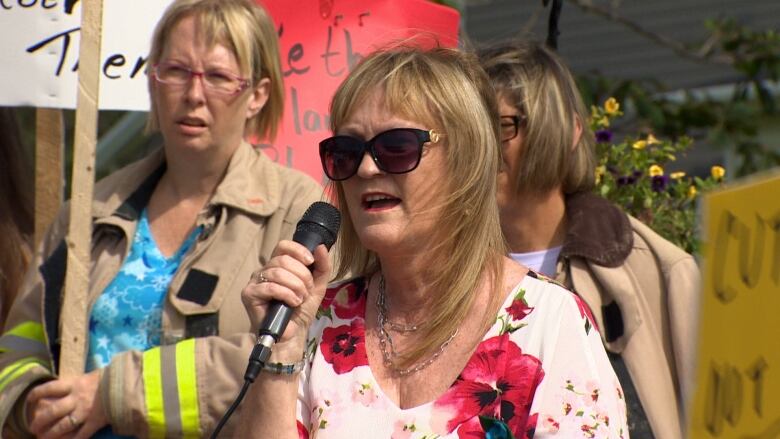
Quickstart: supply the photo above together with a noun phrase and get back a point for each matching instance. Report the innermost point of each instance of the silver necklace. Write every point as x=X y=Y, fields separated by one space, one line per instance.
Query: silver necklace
x=381 y=303
x=385 y=339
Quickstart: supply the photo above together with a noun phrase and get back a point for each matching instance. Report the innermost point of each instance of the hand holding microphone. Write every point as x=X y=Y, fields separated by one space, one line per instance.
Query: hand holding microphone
x=291 y=285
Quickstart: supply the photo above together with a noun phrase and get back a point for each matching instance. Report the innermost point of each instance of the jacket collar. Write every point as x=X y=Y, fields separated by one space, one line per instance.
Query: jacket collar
x=597 y=230
x=250 y=184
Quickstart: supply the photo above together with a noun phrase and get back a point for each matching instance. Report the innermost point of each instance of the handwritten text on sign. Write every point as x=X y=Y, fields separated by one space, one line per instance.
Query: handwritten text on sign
x=320 y=42
x=738 y=374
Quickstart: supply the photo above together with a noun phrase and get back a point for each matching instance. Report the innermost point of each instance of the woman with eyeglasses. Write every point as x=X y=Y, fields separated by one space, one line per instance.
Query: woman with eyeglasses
x=175 y=238
x=643 y=290
x=439 y=334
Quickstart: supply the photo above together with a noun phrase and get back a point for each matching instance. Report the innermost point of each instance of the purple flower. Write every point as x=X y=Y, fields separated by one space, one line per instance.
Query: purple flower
x=625 y=180
x=659 y=182
x=603 y=136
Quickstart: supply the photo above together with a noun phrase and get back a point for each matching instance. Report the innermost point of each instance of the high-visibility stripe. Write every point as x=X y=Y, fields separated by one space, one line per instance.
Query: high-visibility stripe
x=16 y=369
x=188 y=388
x=170 y=392
x=31 y=330
x=15 y=343
x=155 y=411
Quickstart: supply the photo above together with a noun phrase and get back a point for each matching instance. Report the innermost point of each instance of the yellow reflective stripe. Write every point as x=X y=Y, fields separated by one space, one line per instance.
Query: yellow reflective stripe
x=155 y=411
x=188 y=388
x=31 y=330
x=16 y=369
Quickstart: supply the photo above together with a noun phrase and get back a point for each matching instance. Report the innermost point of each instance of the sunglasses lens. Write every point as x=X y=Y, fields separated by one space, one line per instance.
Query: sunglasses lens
x=340 y=156
x=397 y=151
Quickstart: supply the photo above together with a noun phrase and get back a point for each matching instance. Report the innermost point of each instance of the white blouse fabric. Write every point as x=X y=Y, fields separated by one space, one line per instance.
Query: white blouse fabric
x=540 y=371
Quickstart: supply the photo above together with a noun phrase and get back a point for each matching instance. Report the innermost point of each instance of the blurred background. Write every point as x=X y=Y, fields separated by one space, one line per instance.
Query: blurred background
x=706 y=69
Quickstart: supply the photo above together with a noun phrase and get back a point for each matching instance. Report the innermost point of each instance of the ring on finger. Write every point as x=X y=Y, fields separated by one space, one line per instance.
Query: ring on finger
x=258 y=277
x=74 y=422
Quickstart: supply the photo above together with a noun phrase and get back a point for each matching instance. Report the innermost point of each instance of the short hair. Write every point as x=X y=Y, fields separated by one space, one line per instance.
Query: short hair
x=447 y=90
x=244 y=27
x=536 y=80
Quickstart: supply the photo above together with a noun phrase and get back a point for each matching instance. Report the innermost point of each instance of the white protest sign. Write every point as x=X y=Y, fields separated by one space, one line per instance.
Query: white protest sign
x=39 y=52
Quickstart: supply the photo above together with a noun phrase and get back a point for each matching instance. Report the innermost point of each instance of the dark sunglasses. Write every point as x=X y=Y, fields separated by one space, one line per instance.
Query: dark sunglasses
x=395 y=151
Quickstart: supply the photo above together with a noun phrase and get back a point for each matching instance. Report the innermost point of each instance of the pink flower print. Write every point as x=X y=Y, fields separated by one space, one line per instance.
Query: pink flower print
x=592 y=391
x=347 y=300
x=302 y=432
x=550 y=424
x=588 y=431
x=326 y=410
x=364 y=394
x=344 y=347
x=586 y=314
x=499 y=382
x=403 y=429
x=519 y=308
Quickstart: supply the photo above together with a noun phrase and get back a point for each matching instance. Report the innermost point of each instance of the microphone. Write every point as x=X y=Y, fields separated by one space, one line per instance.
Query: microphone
x=319 y=225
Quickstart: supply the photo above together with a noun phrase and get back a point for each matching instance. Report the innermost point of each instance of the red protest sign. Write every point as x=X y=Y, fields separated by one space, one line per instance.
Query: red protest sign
x=320 y=41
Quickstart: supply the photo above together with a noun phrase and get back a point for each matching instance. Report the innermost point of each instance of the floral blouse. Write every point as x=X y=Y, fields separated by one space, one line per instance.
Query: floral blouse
x=540 y=371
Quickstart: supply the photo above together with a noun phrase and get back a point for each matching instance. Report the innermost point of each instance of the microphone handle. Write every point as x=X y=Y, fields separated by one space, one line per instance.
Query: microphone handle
x=278 y=315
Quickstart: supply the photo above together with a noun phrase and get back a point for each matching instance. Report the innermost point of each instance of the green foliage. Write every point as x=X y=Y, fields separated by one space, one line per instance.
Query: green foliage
x=731 y=122
x=631 y=174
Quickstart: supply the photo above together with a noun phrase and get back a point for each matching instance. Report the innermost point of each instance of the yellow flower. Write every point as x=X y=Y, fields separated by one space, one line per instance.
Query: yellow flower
x=717 y=172
x=651 y=140
x=600 y=170
x=677 y=175
x=692 y=192
x=639 y=145
x=656 y=171
x=611 y=106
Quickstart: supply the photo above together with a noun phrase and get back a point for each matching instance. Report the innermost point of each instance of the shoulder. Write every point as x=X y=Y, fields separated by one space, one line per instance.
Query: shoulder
x=263 y=167
x=646 y=238
x=292 y=189
x=554 y=300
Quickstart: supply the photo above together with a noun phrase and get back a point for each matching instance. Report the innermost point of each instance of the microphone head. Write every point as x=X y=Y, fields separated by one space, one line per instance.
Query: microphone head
x=323 y=219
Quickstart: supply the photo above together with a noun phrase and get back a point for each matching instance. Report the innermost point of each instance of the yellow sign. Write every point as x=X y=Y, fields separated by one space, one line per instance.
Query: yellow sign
x=738 y=372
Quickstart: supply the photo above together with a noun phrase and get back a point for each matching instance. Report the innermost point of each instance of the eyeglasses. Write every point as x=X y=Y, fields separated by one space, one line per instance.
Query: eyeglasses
x=217 y=81
x=395 y=151
x=510 y=126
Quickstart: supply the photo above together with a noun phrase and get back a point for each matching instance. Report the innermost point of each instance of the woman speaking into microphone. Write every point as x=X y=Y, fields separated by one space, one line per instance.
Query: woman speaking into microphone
x=439 y=334
x=175 y=236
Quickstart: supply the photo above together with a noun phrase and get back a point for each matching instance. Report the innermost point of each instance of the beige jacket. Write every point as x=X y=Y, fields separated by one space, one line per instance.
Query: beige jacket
x=183 y=387
x=644 y=293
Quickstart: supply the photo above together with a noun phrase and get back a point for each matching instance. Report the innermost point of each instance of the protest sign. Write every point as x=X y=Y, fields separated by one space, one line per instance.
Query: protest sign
x=738 y=372
x=320 y=40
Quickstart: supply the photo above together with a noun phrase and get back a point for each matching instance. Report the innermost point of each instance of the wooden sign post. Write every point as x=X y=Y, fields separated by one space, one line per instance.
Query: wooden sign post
x=74 y=328
x=49 y=135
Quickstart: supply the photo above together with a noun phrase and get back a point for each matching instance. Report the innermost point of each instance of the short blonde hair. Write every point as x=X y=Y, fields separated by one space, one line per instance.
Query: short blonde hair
x=244 y=27
x=536 y=81
x=447 y=90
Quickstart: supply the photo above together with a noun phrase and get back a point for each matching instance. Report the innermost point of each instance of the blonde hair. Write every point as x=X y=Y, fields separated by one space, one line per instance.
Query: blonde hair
x=247 y=29
x=447 y=90
x=537 y=82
